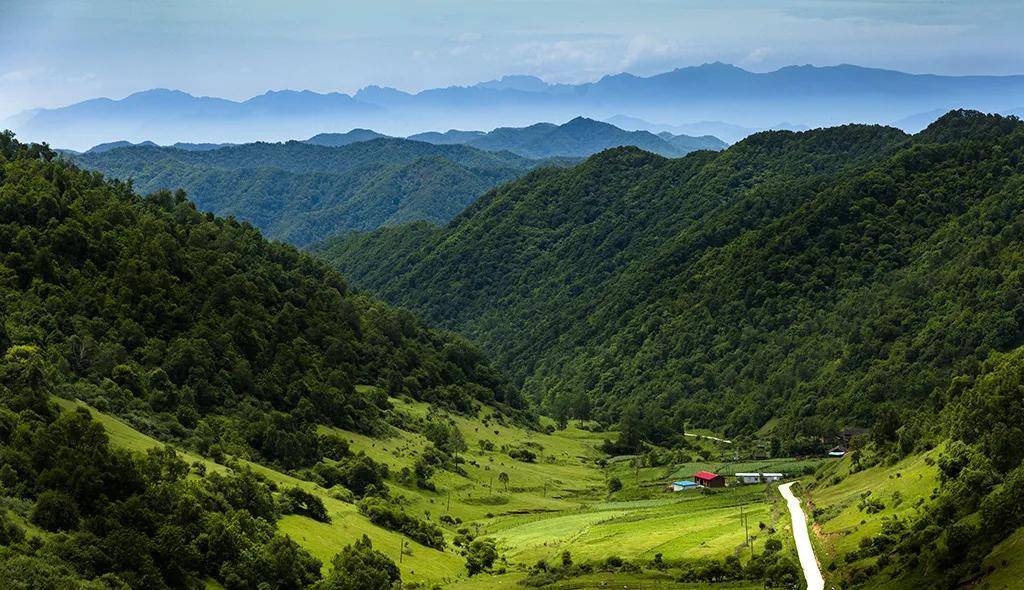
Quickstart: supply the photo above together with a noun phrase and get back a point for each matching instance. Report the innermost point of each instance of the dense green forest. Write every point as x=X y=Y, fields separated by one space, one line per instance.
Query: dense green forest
x=301 y=193
x=199 y=331
x=828 y=278
x=579 y=137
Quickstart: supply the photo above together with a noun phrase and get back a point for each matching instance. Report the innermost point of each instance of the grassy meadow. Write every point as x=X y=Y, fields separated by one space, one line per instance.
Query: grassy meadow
x=559 y=502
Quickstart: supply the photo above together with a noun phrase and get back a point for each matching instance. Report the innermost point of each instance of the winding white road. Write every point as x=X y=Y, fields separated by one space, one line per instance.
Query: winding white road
x=803 y=540
x=722 y=440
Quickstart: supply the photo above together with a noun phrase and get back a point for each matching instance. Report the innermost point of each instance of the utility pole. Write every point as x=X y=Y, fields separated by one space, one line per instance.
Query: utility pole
x=746 y=533
x=401 y=550
x=448 y=509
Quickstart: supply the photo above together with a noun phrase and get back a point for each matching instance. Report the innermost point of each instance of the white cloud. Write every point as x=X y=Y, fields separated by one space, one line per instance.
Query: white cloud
x=756 y=57
x=643 y=48
x=467 y=38
x=22 y=75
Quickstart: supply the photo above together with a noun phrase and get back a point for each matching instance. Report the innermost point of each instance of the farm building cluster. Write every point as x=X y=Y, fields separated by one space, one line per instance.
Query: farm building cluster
x=706 y=479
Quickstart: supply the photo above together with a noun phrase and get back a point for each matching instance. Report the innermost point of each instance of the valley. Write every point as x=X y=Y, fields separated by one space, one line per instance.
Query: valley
x=558 y=504
x=511 y=295
x=216 y=409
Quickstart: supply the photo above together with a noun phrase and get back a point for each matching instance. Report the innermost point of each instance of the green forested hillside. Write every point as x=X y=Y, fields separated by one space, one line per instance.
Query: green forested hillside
x=301 y=193
x=198 y=331
x=835 y=277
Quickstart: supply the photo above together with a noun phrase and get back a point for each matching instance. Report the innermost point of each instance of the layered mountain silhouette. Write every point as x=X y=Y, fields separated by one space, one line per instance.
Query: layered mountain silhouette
x=805 y=95
x=579 y=137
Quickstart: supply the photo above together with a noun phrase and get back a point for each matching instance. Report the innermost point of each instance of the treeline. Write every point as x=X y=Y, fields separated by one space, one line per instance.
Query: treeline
x=838 y=277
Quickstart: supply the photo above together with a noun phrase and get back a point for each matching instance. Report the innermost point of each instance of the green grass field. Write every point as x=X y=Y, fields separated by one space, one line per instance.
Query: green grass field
x=558 y=503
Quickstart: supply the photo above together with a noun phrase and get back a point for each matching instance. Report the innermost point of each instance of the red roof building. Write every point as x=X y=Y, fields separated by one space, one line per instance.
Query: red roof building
x=708 y=479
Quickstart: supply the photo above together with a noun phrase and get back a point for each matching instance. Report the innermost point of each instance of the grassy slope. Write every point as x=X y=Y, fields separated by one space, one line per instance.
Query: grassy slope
x=322 y=540
x=1007 y=561
x=558 y=503
x=842 y=525
x=912 y=477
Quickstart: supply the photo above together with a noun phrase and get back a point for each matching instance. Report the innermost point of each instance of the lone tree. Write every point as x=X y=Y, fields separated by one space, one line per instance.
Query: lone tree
x=503 y=479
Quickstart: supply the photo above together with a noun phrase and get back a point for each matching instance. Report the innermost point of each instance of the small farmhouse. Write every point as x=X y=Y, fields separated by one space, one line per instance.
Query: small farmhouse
x=748 y=478
x=708 y=479
x=682 y=486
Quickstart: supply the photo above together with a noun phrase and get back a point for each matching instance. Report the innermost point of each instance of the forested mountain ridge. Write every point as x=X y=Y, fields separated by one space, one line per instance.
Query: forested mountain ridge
x=302 y=193
x=802 y=276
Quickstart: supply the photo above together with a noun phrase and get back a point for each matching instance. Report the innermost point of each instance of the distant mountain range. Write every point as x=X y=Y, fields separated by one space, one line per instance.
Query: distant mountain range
x=579 y=137
x=806 y=95
x=300 y=192
x=727 y=132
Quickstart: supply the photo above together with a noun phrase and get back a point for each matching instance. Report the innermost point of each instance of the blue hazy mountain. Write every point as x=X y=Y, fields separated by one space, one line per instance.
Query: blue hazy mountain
x=580 y=137
x=113 y=145
x=199 y=147
x=450 y=137
x=808 y=96
x=340 y=139
x=727 y=132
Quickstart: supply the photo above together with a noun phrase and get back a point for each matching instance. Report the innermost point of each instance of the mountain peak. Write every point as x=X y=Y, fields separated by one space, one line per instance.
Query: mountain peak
x=520 y=82
x=581 y=121
x=963 y=123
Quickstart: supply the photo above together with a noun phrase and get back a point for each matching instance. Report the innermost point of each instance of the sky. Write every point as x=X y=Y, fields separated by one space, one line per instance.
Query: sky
x=56 y=52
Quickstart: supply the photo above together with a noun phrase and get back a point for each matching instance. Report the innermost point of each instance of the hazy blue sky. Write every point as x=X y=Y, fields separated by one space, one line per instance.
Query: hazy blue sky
x=54 y=52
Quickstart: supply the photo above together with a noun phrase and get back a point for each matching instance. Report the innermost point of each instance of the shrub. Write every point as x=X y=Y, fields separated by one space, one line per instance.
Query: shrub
x=299 y=501
x=614 y=484
x=524 y=455
x=383 y=514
